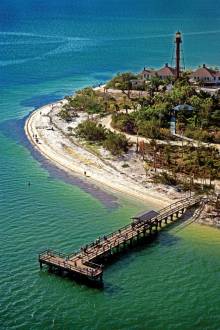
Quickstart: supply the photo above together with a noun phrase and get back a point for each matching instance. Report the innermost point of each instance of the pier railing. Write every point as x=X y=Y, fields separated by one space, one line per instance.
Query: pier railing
x=82 y=261
x=51 y=253
x=165 y=212
x=180 y=203
x=55 y=258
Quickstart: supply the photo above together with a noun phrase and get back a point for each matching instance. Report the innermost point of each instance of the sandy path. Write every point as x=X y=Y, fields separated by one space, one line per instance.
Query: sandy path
x=106 y=122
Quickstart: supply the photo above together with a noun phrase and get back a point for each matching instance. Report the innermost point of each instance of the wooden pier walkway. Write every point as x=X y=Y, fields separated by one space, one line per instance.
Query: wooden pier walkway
x=86 y=262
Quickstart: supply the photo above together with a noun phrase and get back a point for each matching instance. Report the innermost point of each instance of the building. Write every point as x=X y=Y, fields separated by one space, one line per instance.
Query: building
x=166 y=72
x=146 y=74
x=163 y=73
x=137 y=83
x=207 y=76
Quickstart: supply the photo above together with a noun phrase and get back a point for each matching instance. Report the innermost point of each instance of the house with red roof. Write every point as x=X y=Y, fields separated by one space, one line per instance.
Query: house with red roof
x=163 y=73
x=146 y=74
x=166 y=72
x=206 y=75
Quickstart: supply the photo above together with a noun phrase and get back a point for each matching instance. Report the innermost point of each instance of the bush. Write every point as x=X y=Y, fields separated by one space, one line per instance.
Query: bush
x=90 y=131
x=200 y=135
x=124 y=122
x=125 y=165
x=165 y=178
x=65 y=115
x=116 y=143
x=87 y=100
x=165 y=134
x=122 y=81
x=196 y=187
x=150 y=129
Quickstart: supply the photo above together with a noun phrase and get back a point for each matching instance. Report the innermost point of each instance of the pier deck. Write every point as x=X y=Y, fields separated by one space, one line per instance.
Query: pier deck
x=86 y=262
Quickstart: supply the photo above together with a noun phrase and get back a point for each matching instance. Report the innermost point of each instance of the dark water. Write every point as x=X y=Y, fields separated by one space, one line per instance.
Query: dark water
x=47 y=50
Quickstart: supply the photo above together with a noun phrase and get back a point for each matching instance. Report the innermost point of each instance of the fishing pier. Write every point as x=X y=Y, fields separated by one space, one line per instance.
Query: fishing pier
x=87 y=262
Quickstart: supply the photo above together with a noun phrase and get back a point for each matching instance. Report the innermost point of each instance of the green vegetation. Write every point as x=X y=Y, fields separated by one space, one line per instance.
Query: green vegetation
x=165 y=178
x=148 y=113
x=152 y=108
x=125 y=165
x=93 y=132
x=183 y=185
x=125 y=123
x=149 y=122
x=179 y=164
x=116 y=143
x=90 y=131
x=67 y=115
x=86 y=100
x=122 y=81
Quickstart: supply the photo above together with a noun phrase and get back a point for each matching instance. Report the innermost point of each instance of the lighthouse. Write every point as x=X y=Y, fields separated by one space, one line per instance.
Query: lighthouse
x=178 y=41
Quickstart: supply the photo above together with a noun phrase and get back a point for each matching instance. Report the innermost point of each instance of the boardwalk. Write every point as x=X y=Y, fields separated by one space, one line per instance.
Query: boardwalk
x=86 y=262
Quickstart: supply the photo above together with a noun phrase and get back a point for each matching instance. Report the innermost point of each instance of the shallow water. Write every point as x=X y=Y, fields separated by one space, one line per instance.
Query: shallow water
x=47 y=50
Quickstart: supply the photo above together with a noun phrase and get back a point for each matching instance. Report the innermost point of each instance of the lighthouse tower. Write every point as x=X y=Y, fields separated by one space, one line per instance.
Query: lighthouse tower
x=178 y=41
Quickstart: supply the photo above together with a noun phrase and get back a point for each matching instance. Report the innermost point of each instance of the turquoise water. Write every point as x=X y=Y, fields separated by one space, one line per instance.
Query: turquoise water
x=47 y=50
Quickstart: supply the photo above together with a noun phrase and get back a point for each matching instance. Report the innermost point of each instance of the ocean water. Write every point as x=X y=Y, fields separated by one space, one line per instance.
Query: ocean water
x=48 y=49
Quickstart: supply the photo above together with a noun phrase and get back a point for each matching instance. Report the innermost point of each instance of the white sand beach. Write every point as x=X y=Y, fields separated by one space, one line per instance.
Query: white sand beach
x=49 y=135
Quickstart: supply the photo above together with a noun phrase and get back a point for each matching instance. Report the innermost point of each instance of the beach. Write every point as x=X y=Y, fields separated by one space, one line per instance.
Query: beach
x=48 y=133
x=50 y=49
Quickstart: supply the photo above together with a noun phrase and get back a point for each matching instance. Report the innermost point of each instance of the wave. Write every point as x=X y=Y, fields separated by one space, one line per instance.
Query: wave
x=14 y=62
x=14 y=43
x=65 y=44
x=75 y=44
x=36 y=35
x=162 y=35
x=202 y=33
x=69 y=38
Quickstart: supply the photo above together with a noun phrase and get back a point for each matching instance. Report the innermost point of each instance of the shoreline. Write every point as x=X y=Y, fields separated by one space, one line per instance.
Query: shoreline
x=76 y=160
